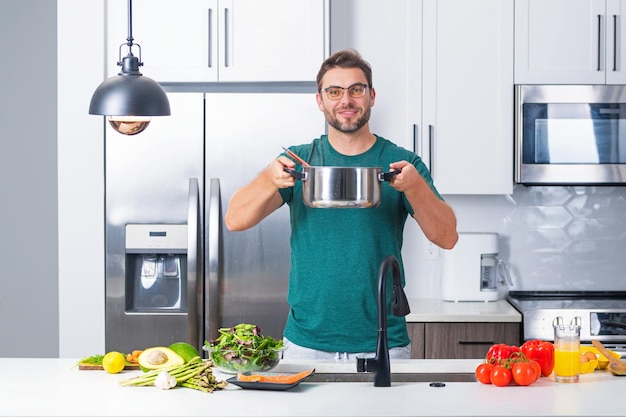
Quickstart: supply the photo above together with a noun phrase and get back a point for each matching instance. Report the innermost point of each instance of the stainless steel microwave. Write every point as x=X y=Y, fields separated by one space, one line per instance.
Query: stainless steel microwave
x=570 y=134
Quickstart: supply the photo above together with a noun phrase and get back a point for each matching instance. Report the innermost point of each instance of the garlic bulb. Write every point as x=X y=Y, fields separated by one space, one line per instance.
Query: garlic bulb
x=164 y=380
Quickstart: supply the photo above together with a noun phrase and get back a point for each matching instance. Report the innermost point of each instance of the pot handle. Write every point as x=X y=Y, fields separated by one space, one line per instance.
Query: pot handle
x=296 y=174
x=386 y=176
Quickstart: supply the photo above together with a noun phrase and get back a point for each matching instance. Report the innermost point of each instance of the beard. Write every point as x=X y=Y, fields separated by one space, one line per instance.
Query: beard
x=348 y=127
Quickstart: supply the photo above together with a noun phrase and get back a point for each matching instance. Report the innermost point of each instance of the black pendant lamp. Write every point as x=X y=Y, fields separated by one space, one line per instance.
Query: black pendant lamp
x=129 y=99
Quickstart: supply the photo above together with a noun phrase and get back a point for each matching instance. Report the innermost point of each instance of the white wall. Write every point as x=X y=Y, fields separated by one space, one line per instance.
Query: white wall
x=28 y=180
x=81 y=178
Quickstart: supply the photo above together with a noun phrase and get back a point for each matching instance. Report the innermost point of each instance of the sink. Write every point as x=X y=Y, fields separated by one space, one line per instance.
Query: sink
x=395 y=377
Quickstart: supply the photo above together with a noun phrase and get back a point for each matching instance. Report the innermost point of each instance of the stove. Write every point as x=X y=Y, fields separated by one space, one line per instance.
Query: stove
x=603 y=314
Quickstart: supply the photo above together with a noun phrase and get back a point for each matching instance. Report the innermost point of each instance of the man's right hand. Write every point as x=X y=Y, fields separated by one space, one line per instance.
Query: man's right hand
x=257 y=200
x=277 y=174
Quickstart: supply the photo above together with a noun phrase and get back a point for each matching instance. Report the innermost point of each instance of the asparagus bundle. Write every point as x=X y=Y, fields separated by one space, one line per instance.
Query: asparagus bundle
x=195 y=374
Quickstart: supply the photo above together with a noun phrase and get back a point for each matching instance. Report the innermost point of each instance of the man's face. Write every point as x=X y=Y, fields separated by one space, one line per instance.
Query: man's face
x=347 y=114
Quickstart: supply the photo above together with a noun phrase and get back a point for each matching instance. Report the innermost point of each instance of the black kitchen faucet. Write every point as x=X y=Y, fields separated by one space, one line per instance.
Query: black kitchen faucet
x=399 y=307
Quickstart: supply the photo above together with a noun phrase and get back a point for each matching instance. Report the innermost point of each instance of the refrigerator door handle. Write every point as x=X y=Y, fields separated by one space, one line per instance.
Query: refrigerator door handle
x=194 y=265
x=214 y=265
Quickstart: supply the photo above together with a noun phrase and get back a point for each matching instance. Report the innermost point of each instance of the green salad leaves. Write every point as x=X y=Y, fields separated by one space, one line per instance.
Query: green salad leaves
x=243 y=348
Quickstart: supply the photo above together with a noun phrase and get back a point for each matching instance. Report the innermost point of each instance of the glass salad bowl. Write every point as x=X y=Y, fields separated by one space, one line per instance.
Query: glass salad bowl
x=243 y=348
x=243 y=359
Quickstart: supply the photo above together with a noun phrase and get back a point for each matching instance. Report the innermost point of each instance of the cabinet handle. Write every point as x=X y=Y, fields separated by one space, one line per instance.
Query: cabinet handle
x=210 y=38
x=431 y=150
x=477 y=342
x=415 y=139
x=226 y=39
x=614 y=42
x=599 y=42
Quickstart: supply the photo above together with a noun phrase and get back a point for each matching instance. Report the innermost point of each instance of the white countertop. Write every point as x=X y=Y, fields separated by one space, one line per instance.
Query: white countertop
x=432 y=310
x=54 y=387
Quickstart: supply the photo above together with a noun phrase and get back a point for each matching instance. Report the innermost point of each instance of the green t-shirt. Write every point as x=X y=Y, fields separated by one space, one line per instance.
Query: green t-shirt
x=336 y=254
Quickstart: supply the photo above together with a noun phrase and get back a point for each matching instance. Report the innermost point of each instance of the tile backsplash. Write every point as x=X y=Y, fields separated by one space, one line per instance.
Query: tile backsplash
x=553 y=238
x=566 y=238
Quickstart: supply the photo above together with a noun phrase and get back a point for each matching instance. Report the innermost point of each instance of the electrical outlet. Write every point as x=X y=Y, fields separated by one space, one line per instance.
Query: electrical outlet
x=431 y=251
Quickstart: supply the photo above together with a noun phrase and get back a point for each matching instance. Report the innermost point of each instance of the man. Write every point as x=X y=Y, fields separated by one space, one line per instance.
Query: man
x=336 y=252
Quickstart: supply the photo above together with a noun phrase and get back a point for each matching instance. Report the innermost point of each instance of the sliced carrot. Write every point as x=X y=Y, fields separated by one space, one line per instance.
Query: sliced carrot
x=275 y=379
x=249 y=378
x=134 y=356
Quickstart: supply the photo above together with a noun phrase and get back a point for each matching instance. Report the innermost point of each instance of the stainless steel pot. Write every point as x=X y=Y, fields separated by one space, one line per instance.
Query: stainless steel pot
x=341 y=187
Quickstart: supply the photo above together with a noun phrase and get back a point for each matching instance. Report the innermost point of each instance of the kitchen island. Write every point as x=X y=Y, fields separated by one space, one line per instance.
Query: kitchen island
x=55 y=387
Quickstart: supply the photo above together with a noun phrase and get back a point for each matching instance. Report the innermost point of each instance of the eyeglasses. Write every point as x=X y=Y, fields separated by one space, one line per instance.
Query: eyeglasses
x=355 y=90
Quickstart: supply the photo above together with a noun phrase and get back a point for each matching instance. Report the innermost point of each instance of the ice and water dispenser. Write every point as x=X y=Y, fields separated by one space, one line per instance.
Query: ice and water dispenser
x=156 y=268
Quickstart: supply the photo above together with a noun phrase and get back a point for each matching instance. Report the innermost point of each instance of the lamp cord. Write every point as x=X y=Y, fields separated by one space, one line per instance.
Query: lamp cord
x=130 y=39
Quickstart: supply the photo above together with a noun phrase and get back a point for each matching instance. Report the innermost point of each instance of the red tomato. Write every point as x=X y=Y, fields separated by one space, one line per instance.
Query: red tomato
x=536 y=367
x=524 y=373
x=500 y=376
x=482 y=373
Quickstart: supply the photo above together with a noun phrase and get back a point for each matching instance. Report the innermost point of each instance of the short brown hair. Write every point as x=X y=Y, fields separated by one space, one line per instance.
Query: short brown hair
x=348 y=58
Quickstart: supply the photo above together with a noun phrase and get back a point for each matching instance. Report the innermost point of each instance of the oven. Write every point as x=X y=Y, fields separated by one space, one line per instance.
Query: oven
x=603 y=315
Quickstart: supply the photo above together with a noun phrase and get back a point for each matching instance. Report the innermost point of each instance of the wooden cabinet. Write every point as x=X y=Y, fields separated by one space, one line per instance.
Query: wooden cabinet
x=416 y=334
x=460 y=340
x=444 y=83
x=570 y=42
x=222 y=40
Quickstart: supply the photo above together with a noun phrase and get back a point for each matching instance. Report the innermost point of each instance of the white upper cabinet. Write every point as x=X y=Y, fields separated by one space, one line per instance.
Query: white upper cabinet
x=570 y=42
x=444 y=83
x=396 y=66
x=221 y=40
x=467 y=102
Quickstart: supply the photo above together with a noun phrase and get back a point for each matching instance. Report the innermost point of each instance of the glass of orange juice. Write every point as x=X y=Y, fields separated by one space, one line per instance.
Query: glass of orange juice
x=566 y=350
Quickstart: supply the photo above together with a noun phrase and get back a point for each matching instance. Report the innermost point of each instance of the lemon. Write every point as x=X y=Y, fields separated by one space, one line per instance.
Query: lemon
x=113 y=362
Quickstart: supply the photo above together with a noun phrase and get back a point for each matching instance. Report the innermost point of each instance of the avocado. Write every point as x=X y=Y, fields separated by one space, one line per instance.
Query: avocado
x=185 y=350
x=159 y=358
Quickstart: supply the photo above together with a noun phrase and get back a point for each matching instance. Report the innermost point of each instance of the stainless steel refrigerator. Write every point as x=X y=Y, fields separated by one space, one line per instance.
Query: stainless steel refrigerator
x=173 y=272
